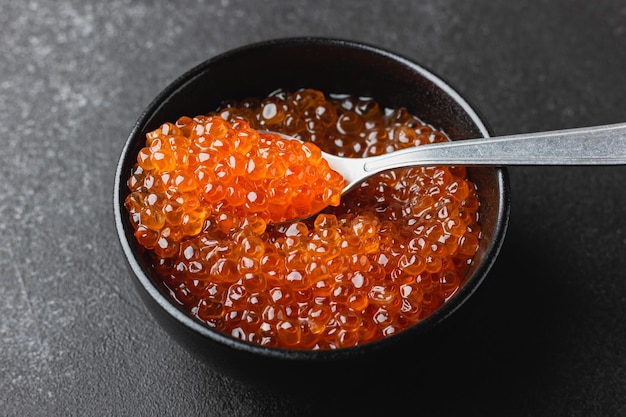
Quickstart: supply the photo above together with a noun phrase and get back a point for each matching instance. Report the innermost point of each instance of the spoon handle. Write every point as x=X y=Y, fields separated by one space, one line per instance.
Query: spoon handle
x=596 y=145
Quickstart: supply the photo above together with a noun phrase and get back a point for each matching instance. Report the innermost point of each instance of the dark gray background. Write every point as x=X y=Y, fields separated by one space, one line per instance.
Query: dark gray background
x=544 y=336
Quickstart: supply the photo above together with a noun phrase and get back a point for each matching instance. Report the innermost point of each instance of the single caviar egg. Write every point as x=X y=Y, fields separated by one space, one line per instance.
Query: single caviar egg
x=209 y=196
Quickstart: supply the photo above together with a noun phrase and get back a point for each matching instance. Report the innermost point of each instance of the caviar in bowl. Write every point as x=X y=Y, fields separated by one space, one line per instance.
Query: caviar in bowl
x=362 y=88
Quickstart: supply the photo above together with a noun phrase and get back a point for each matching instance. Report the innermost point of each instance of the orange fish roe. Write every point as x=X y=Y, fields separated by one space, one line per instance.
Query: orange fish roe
x=205 y=167
x=389 y=255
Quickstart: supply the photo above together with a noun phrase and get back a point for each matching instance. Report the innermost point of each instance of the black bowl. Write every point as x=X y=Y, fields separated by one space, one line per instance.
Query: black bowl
x=328 y=65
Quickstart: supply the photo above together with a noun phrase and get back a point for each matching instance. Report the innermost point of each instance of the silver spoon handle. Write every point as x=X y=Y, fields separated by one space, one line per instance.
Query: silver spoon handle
x=597 y=145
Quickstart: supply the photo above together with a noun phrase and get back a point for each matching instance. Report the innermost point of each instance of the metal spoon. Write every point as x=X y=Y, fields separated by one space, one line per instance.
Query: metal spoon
x=596 y=145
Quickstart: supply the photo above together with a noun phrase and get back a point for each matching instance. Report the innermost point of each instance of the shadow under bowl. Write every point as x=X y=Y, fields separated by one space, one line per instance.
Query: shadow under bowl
x=332 y=66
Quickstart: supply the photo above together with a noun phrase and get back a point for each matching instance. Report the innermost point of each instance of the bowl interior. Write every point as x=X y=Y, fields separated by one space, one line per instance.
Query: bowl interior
x=332 y=66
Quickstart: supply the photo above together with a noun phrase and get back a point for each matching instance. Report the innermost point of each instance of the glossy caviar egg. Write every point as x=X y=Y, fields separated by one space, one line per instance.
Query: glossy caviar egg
x=207 y=193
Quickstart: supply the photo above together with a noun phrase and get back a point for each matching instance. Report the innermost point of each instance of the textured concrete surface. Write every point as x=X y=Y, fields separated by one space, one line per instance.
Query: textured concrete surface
x=544 y=336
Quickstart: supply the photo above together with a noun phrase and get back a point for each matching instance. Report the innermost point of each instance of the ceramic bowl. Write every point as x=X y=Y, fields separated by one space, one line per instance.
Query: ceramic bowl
x=329 y=65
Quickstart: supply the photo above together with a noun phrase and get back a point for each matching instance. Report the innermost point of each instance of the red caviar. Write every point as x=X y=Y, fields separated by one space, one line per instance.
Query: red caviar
x=389 y=255
x=203 y=168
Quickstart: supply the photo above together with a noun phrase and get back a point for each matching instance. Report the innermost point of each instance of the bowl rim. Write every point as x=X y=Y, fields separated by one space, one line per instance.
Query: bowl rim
x=143 y=278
